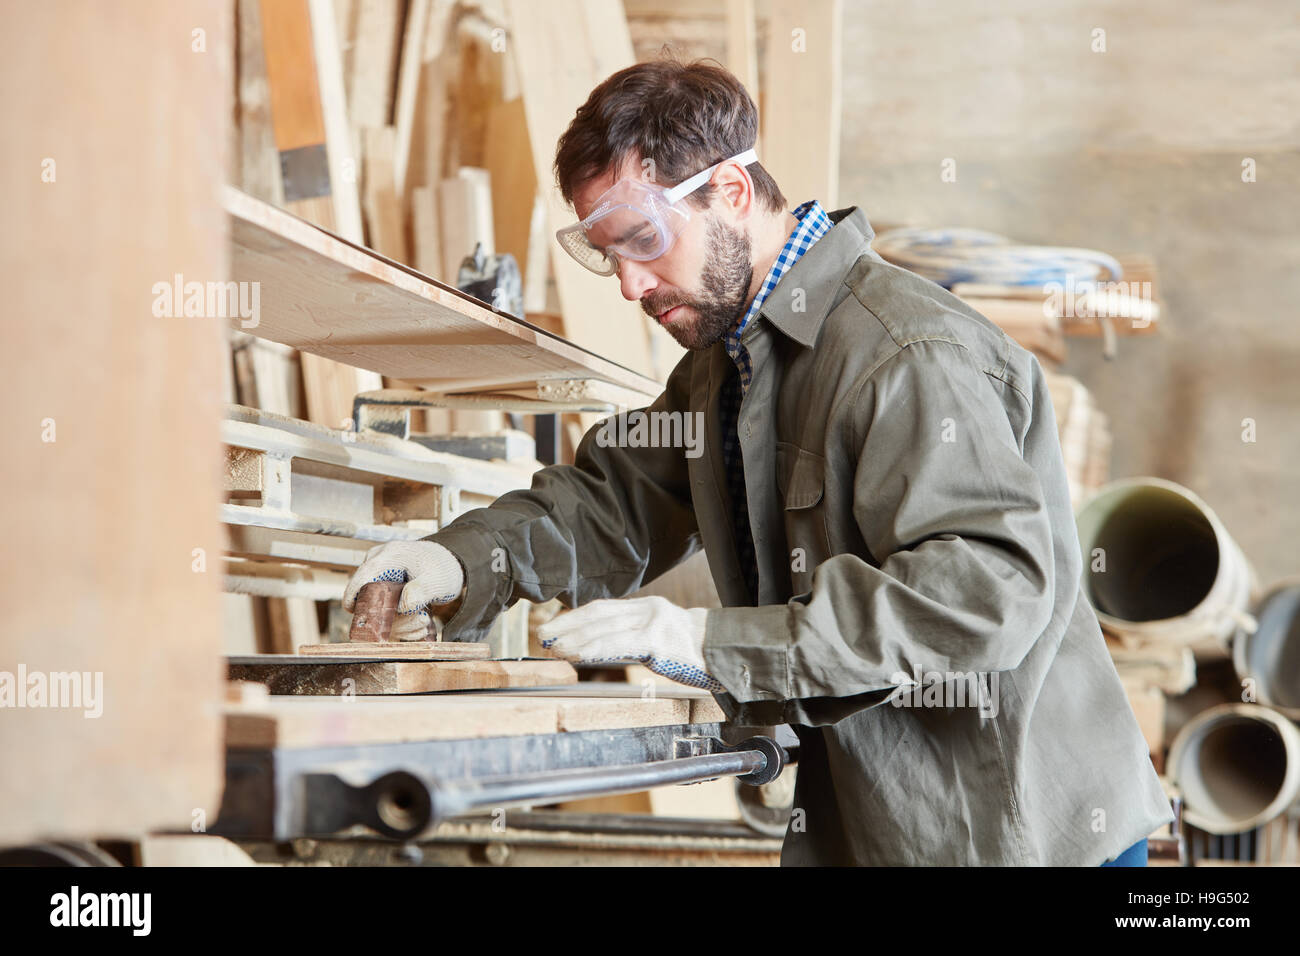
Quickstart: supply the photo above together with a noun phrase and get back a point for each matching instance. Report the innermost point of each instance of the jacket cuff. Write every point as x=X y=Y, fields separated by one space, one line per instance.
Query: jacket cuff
x=486 y=591
x=747 y=650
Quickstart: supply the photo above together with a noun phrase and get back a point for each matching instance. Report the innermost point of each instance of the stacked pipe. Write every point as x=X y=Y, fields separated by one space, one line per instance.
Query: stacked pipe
x=1160 y=568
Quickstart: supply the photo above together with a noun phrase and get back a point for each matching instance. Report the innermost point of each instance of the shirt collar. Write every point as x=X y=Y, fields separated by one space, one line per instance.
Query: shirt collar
x=812 y=225
x=820 y=274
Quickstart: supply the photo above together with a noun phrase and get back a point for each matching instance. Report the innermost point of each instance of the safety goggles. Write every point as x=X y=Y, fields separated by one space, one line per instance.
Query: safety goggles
x=635 y=220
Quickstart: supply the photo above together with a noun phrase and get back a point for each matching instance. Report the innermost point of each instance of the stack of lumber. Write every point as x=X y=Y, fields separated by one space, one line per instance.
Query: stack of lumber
x=1039 y=319
x=1084 y=434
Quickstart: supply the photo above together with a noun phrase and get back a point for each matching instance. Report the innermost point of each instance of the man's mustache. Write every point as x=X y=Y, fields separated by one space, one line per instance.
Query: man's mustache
x=654 y=307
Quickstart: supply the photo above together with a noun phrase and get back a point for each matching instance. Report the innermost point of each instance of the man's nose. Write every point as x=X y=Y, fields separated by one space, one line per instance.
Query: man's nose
x=634 y=279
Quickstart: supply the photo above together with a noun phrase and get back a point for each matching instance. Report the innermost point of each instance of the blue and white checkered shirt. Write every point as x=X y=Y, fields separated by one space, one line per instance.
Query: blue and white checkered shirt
x=813 y=224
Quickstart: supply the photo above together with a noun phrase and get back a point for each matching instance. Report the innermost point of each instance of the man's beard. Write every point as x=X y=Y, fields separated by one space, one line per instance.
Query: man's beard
x=726 y=278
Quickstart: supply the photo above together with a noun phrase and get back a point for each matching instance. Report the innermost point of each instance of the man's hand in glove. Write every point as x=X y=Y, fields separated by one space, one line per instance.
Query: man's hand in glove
x=433 y=577
x=666 y=638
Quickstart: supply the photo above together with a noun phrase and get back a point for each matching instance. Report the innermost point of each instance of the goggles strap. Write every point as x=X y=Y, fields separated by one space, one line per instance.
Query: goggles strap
x=686 y=187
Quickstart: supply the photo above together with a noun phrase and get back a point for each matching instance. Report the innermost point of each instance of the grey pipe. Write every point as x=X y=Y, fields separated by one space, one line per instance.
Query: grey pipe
x=1237 y=765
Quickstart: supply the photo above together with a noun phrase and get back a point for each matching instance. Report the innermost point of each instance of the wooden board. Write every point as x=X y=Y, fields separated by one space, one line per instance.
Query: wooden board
x=116 y=142
x=802 y=100
x=396 y=650
x=402 y=677
x=329 y=721
x=592 y=41
x=324 y=296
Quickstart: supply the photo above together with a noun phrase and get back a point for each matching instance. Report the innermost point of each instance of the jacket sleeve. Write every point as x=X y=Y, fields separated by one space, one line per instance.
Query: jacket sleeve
x=959 y=576
x=599 y=528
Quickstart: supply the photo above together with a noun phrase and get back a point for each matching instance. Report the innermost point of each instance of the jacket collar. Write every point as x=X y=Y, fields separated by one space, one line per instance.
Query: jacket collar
x=818 y=272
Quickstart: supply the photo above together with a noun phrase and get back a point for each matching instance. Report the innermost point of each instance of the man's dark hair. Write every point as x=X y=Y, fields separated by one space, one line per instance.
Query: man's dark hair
x=684 y=116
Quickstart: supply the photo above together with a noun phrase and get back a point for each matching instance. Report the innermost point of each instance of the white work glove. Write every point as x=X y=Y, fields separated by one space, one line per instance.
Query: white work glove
x=433 y=576
x=666 y=638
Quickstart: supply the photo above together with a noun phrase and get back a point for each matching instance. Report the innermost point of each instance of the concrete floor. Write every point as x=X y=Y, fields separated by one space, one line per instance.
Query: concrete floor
x=1135 y=150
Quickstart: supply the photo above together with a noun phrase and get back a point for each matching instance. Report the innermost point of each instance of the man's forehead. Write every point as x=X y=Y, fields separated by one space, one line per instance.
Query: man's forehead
x=585 y=196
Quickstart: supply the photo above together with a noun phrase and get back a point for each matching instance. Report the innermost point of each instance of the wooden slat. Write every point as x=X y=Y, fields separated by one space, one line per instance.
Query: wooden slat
x=404 y=676
x=326 y=297
x=802 y=99
x=465 y=207
x=742 y=45
x=309 y=119
x=592 y=41
x=514 y=184
x=419 y=651
x=372 y=65
x=385 y=232
x=259 y=168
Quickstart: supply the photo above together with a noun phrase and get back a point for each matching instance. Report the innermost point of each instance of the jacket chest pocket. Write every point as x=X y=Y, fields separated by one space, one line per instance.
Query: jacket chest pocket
x=800 y=477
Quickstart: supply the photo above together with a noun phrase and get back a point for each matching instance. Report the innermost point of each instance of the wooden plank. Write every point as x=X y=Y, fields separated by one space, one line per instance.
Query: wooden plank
x=343 y=166
x=287 y=721
x=465 y=206
x=592 y=40
x=598 y=713
x=742 y=45
x=405 y=676
x=117 y=136
x=311 y=133
x=324 y=296
x=802 y=99
x=328 y=721
x=372 y=66
x=384 y=221
x=259 y=168
x=513 y=181
x=397 y=650
x=292 y=622
x=408 y=90
x=426 y=231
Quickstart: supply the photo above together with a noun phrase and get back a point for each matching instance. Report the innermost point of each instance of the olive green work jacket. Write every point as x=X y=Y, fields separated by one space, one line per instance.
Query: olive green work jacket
x=921 y=622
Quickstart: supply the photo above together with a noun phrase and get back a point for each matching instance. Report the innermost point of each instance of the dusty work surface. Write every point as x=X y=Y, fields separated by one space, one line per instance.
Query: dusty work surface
x=292 y=674
x=331 y=721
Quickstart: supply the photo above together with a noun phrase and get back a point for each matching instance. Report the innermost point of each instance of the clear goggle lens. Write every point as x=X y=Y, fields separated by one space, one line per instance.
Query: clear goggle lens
x=634 y=220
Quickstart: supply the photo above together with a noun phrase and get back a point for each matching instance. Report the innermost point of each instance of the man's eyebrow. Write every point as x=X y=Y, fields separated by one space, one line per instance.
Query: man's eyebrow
x=628 y=235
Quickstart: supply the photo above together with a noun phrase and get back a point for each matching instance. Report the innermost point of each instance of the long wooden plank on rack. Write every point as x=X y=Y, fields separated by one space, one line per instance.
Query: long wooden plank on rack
x=325 y=296
x=329 y=721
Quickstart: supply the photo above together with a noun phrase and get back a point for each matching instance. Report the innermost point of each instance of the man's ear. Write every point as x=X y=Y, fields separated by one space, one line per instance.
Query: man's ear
x=735 y=190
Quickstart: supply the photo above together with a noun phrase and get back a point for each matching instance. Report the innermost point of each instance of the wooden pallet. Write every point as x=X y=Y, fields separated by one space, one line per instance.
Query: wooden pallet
x=314 y=495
